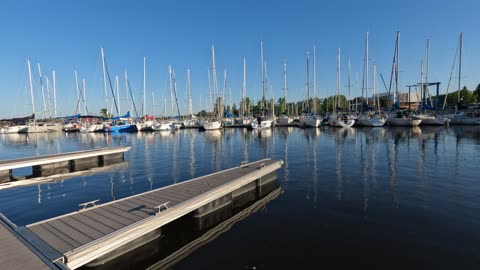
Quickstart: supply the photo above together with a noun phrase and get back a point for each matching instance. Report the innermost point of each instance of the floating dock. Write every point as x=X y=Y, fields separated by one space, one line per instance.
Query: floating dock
x=78 y=238
x=64 y=163
x=18 y=253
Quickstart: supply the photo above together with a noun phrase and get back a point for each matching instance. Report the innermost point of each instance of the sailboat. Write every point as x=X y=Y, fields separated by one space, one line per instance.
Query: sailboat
x=426 y=114
x=146 y=123
x=215 y=123
x=339 y=120
x=33 y=125
x=312 y=120
x=18 y=124
x=261 y=121
x=368 y=118
x=463 y=117
x=119 y=123
x=191 y=120
x=284 y=119
x=399 y=118
x=242 y=118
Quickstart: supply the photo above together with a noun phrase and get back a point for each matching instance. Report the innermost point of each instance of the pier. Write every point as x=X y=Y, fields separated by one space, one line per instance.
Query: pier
x=63 y=163
x=96 y=230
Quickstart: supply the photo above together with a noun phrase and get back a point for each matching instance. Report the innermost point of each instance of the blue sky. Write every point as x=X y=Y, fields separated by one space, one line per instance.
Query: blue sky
x=64 y=35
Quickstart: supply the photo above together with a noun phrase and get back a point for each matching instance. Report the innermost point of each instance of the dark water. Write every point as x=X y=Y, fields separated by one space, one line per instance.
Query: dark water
x=390 y=198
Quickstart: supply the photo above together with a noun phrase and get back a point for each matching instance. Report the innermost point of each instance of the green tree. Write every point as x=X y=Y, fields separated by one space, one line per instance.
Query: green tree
x=477 y=93
x=104 y=113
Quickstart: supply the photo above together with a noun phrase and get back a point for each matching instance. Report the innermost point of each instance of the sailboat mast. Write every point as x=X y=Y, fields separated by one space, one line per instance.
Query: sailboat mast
x=285 y=84
x=84 y=86
x=31 y=86
x=336 y=98
x=366 y=67
x=460 y=67
x=144 y=109
x=54 y=93
x=104 y=81
x=349 y=84
x=224 y=90
x=421 y=82
x=307 y=84
x=190 y=109
x=215 y=85
x=43 y=93
x=117 y=88
x=397 y=64
x=171 y=88
x=263 y=76
x=244 y=92
x=375 y=100
x=77 y=89
x=314 y=82
x=356 y=95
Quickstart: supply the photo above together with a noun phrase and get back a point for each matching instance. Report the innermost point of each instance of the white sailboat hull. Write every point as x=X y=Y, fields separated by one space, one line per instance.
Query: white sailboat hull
x=41 y=128
x=313 y=122
x=13 y=129
x=430 y=120
x=264 y=124
x=212 y=125
x=91 y=128
x=462 y=119
x=163 y=126
x=284 y=120
x=341 y=121
x=370 y=121
x=403 y=122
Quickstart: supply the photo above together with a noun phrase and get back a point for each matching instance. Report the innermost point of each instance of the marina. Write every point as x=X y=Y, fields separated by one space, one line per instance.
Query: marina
x=239 y=135
x=360 y=183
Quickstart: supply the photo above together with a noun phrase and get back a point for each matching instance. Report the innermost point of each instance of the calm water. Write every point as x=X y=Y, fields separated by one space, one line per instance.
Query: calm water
x=387 y=198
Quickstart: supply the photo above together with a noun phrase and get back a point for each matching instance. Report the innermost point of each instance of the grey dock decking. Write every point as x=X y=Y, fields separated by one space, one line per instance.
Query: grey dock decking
x=41 y=160
x=16 y=254
x=88 y=234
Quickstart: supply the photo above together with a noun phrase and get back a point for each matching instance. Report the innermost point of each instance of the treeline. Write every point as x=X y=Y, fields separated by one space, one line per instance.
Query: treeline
x=340 y=102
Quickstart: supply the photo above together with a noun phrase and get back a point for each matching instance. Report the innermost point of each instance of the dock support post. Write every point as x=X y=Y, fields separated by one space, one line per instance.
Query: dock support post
x=110 y=159
x=5 y=176
x=60 y=167
x=83 y=164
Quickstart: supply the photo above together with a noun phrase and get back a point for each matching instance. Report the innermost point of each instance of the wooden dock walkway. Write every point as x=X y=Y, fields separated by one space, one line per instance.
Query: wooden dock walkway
x=63 y=163
x=90 y=233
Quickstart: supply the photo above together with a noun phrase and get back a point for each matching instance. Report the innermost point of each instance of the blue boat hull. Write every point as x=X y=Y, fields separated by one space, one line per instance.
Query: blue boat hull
x=122 y=128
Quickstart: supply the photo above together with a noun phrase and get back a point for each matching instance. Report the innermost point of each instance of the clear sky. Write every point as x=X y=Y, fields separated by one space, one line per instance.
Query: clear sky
x=64 y=35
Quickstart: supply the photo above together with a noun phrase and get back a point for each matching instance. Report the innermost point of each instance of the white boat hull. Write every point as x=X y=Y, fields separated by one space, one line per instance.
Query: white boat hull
x=313 y=122
x=462 y=119
x=370 y=122
x=342 y=121
x=163 y=126
x=284 y=120
x=264 y=124
x=403 y=122
x=213 y=125
x=13 y=129
x=41 y=128
x=91 y=128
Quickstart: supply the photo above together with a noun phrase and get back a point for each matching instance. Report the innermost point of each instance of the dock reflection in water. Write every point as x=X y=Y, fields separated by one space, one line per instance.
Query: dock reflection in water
x=166 y=246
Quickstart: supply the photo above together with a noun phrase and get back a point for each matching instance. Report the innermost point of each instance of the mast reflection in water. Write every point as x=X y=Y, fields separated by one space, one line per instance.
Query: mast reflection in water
x=353 y=198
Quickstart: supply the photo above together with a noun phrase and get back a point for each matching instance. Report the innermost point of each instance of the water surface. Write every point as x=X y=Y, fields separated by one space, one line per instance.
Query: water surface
x=398 y=198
